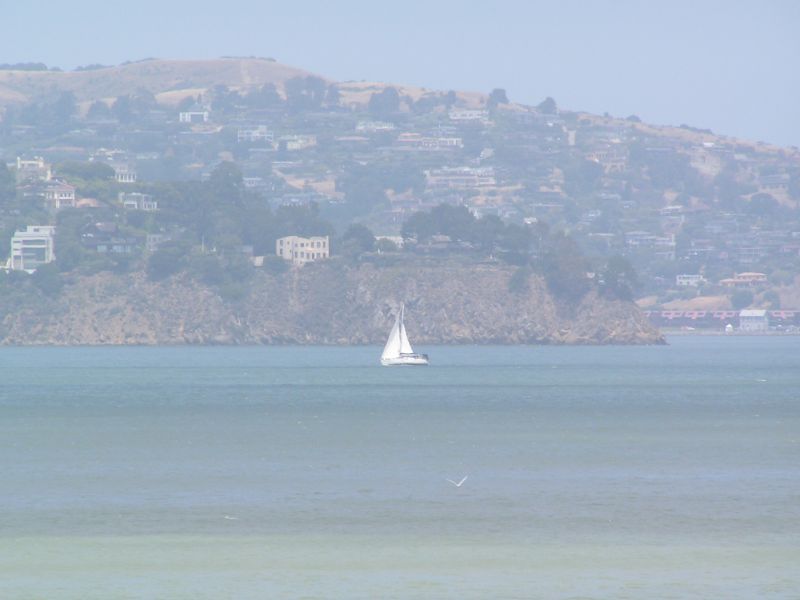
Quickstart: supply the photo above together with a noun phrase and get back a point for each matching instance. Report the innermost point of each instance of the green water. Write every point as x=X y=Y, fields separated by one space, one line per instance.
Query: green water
x=658 y=472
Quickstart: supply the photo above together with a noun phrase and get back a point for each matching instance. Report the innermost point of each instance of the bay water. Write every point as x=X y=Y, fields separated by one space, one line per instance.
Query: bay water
x=312 y=472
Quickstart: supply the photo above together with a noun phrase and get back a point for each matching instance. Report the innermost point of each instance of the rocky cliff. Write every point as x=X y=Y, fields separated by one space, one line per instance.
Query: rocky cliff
x=323 y=304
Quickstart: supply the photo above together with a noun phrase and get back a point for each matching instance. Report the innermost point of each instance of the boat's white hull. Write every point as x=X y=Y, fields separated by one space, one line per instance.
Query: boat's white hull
x=406 y=360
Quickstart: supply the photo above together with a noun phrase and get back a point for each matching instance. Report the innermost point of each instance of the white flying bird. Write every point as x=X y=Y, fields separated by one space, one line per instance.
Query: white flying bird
x=460 y=483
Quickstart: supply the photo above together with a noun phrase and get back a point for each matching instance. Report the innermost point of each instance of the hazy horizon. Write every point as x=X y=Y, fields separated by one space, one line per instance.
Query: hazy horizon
x=725 y=66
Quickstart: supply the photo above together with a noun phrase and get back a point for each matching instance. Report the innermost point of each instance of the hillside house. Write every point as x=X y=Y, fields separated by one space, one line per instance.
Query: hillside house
x=58 y=195
x=302 y=250
x=32 y=170
x=460 y=177
x=194 y=114
x=466 y=115
x=689 y=280
x=32 y=248
x=416 y=141
x=138 y=201
x=297 y=142
x=743 y=280
x=105 y=238
x=256 y=134
x=374 y=126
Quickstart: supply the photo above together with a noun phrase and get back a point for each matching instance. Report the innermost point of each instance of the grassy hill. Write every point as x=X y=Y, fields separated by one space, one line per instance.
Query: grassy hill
x=168 y=79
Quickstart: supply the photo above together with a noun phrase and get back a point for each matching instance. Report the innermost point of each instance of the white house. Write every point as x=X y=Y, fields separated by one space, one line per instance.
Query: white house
x=138 y=201
x=753 y=321
x=58 y=195
x=301 y=250
x=32 y=248
x=124 y=173
x=259 y=133
x=34 y=169
x=194 y=114
x=689 y=280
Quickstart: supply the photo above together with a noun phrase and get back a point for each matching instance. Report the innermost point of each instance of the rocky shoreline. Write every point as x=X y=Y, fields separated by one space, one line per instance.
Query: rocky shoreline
x=327 y=304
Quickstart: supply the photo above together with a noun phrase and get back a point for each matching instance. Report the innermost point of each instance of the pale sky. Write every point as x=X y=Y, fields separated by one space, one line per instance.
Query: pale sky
x=731 y=66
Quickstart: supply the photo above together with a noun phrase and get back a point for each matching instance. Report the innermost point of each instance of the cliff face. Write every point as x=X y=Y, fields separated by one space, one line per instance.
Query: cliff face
x=324 y=304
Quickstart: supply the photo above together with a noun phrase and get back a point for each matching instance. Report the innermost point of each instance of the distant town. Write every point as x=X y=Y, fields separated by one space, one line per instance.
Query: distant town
x=702 y=230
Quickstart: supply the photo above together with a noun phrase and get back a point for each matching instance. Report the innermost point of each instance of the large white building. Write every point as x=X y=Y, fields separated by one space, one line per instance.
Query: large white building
x=753 y=321
x=32 y=248
x=58 y=195
x=36 y=169
x=301 y=250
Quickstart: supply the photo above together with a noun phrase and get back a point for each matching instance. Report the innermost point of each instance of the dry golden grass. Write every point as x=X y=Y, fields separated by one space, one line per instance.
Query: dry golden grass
x=175 y=79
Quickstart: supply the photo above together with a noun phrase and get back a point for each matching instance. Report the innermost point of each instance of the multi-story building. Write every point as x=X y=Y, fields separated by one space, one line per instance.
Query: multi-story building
x=194 y=114
x=30 y=170
x=138 y=201
x=753 y=321
x=32 y=248
x=124 y=173
x=301 y=250
x=58 y=195
x=460 y=177
x=259 y=133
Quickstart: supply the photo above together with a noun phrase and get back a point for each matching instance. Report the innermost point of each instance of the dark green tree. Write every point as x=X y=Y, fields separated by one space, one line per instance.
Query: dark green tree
x=548 y=106
x=384 y=103
x=98 y=110
x=741 y=299
x=496 y=97
x=169 y=259
x=618 y=279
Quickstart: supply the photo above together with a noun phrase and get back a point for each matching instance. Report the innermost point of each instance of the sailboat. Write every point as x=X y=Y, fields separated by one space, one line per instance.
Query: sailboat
x=398 y=350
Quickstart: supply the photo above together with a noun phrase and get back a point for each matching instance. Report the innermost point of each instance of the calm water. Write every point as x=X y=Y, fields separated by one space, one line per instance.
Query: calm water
x=669 y=472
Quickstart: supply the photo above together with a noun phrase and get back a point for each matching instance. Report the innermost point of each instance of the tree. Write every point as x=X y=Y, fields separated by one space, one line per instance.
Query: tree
x=226 y=183
x=265 y=97
x=86 y=170
x=356 y=240
x=385 y=245
x=548 y=106
x=98 y=110
x=565 y=269
x=741 y=299
x=7 y=184
x=384 y=103
x=519 y=283
x=65 y=106
x=48 y=279
x=169 y=259
x=763 y=205
x=496 y=97
x=618 y=279
x=305 y=93
x=333 y=96
x=122 y=110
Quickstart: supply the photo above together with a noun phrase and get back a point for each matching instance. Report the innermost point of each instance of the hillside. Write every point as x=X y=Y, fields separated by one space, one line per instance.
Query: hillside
x=213 y=160
x=325 y=303
x=170 y=79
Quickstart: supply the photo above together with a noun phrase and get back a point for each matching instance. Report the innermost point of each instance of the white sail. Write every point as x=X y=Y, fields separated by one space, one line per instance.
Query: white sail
x=398 y=350
x=392 y=347
x=405 y=345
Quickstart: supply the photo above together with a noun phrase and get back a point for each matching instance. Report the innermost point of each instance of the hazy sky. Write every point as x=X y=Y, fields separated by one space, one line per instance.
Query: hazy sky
x=731 y=66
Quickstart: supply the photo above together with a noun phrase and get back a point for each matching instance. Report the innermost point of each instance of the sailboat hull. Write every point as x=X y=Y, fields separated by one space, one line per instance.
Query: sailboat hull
x=406 y=360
